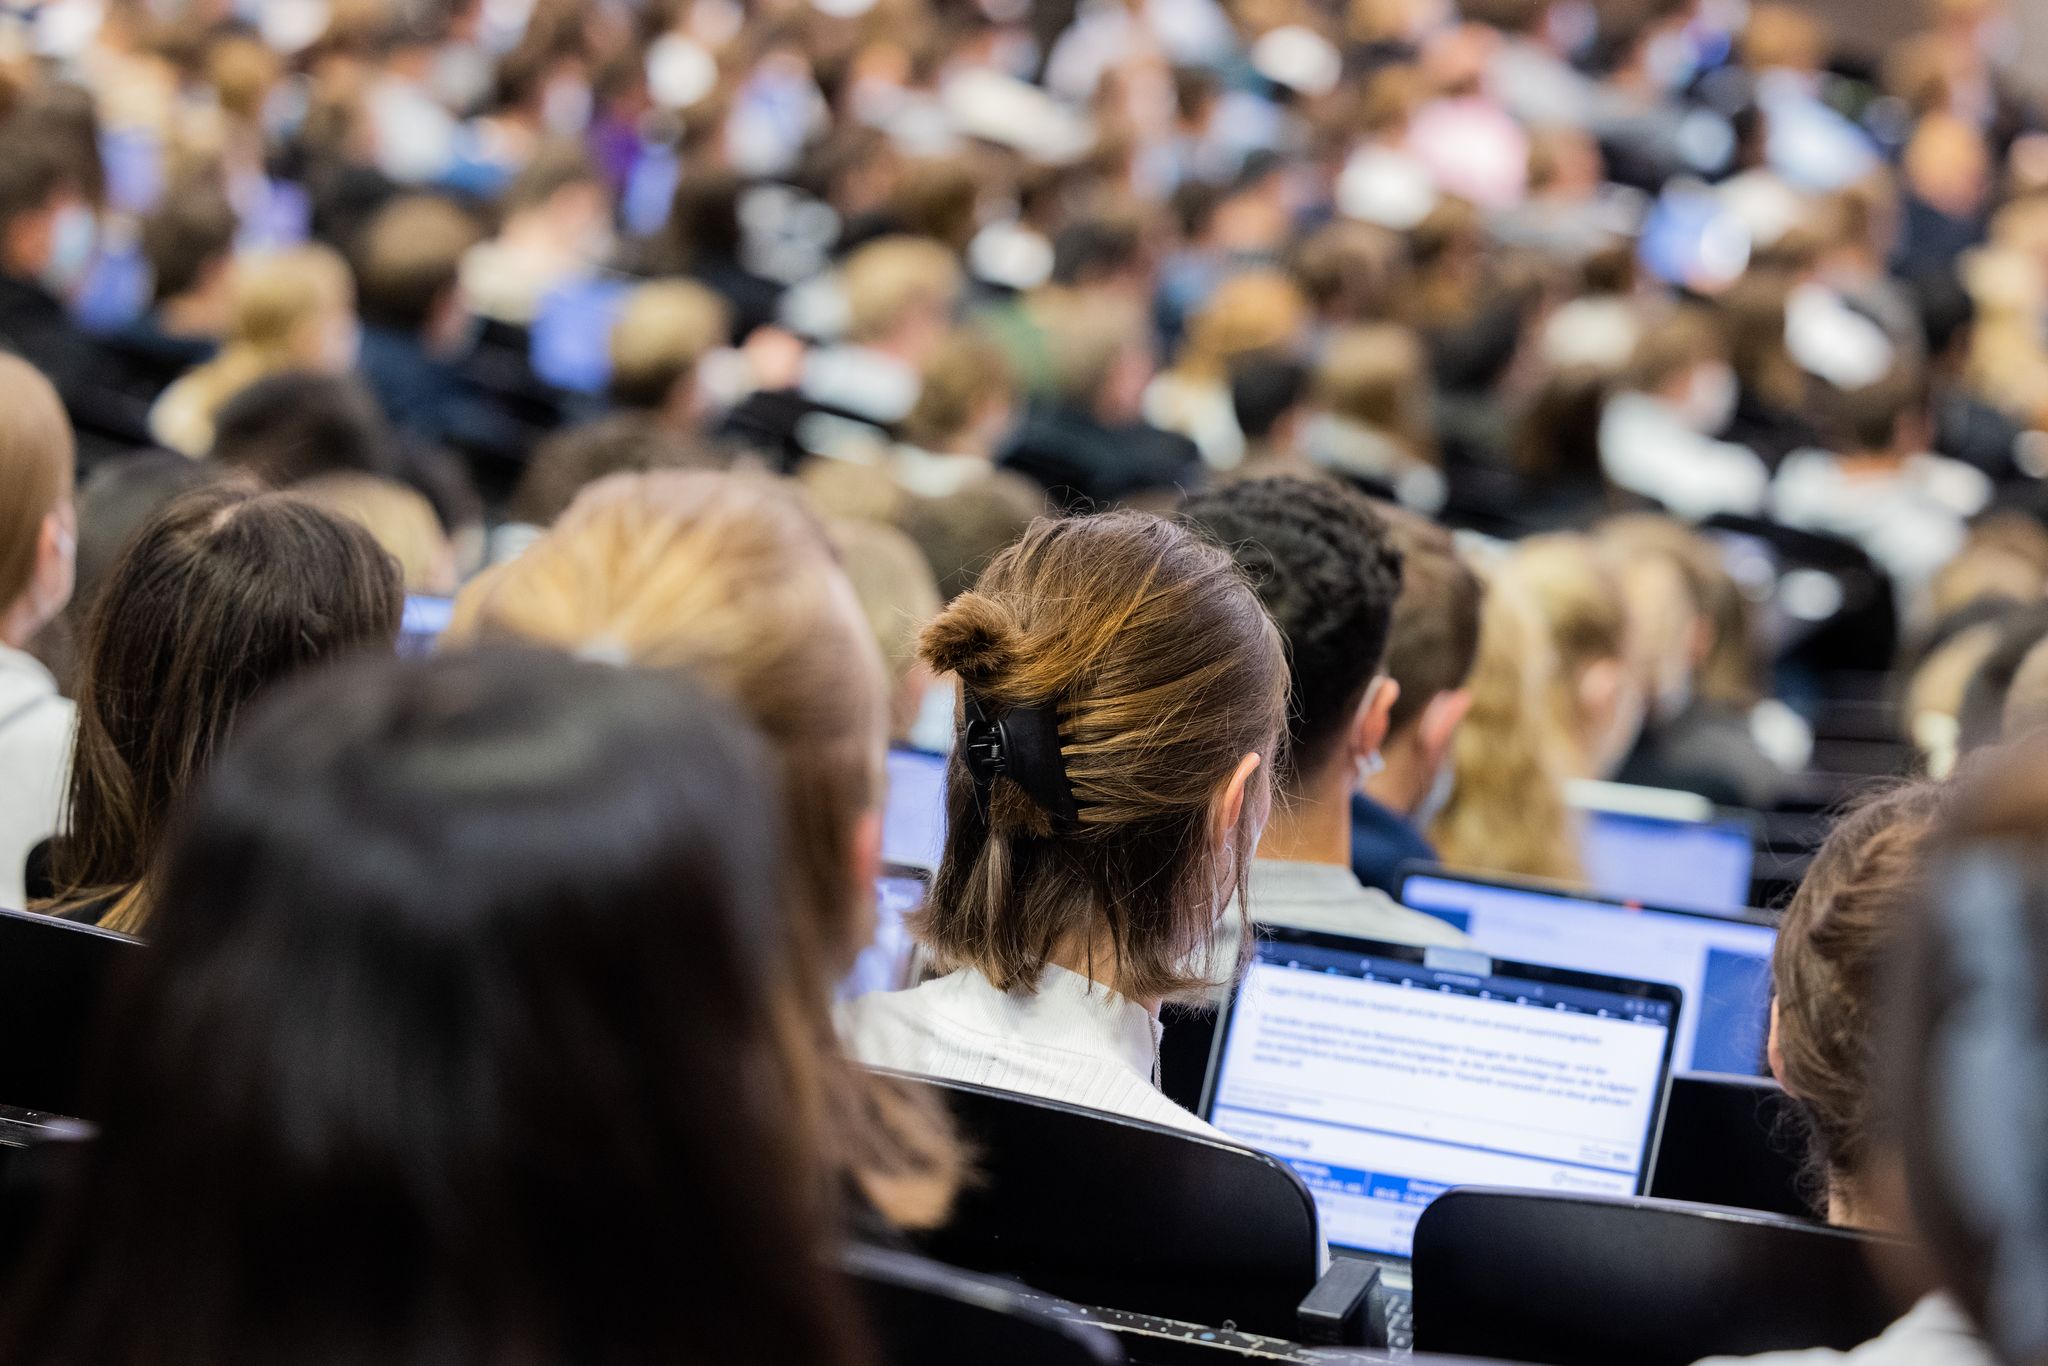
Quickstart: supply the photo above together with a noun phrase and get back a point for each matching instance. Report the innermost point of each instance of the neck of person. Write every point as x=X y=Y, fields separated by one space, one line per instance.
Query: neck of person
x=1094 y=957
x=19 y=622
x=1404 y=780
x=1311 y=821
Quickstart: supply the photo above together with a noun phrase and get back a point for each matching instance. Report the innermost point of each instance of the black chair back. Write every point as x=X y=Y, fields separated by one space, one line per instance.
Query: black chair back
x=1104 y=1210
x=1592 y=1280
x=1734 y=1141
x=925 y=1314
x=52 y=974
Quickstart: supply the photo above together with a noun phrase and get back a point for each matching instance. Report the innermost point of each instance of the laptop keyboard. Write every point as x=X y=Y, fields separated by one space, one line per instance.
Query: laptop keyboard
x=1154 y=1341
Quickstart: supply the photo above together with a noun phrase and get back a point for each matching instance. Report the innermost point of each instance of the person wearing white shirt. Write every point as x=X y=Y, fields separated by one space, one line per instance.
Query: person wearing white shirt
x=1123 y=693
x=1659 y=434
x=38 y=550
x=1907 y=509
x=1327 y=568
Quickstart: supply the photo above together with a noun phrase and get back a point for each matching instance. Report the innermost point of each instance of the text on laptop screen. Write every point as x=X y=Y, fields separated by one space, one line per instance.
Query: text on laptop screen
x=914 y=819
x=1384 y=1082
x=1669 y=863
x=1722 y=964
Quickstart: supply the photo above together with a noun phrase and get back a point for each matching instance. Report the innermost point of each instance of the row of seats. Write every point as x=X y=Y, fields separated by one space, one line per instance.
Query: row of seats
x=1170 y=1237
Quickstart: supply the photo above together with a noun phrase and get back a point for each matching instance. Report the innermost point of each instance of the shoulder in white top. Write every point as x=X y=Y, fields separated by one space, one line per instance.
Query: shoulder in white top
x=1071 y=1040
x=1646 y=449
x=1330 y=899
x=1934 y=1333
x=35 y=752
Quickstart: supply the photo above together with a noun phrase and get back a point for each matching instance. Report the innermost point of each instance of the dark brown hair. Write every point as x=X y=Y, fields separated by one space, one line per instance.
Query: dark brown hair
x=1827 y=970
x=226 y=591
x=1434 y=638
x=1164 y=670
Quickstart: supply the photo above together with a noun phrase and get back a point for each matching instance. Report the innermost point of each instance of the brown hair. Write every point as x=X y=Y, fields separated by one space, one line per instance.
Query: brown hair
x=664 y=330
x=409 y=257
x=1165 y=671
x=37 y=453
x=1826 y=971
x=729 y=576
x=1377 y=375
x=1682 y=339
x=963 y=375
x=573 y=458
x=1434 y=639
x=226 y=591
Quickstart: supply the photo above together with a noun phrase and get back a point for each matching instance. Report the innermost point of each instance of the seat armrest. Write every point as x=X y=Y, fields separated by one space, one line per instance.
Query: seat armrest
x=1334 y=1314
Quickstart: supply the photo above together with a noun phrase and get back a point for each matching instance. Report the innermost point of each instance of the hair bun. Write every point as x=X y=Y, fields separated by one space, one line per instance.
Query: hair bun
x=974 y=638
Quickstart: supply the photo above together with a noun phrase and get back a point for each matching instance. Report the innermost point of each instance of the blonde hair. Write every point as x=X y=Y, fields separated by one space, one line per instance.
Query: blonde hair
x=1579 y=600
x=400 y=518
x=728 y=576
x=275 y=298
x=664 y=330
x=37 y=455
x=897 y=596
x=890 y=278
x=1258 y=310
x=964 y=375
x=1377 y=376
x=1163 y=671
x=1507 y=810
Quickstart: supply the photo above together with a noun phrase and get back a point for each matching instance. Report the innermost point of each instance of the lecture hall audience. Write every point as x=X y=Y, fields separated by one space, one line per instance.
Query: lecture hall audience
x=1252 y=450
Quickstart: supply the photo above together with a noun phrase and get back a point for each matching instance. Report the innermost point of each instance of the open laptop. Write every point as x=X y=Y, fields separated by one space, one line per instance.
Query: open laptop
x=52 y=976
x=1723 y=961
x=1668 y=848
x=424 y=620
x=914 y=817
x=1386 y=1074
x=888 y=962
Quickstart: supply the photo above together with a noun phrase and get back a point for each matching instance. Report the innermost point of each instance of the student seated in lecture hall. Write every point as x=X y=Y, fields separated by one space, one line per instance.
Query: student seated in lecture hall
x=1123 y=698
x=1325 y=566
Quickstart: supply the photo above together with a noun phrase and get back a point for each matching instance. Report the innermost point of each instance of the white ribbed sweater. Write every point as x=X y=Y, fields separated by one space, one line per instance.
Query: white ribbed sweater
x=1072 y=1040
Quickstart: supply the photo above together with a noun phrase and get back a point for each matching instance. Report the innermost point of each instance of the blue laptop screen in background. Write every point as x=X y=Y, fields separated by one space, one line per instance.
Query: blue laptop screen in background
x=914 y=819
x=1383 y=1082
x=572 y=334
x=1722 y=964
x=1669 y=863
x=884 y=965
x=424 y=620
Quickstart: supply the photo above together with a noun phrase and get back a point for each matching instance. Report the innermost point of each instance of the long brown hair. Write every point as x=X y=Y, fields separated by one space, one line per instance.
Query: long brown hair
x=730 y=577
x=1164 y=671
x=36 y=455
x=226 y=591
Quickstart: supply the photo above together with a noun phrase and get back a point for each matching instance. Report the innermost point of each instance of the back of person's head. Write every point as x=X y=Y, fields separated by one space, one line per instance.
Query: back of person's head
x=37 y=527
x=1782 y=36
x=1098 y=248
x=409 y=259
x=962 y=531
x=118 y=498
x=1433 y=638
x=574 y=458
x=1265 y=388
x=730 y=577
x=556 y=166
x=664 y=330
x=967 y=394
x=34 y=175
x=894 y=282
x=1377 y=375
x=188 y=236
x=460 y=1002
x=227 y=591
x=1327 y=570
x=1596 y=698
x=1256 y=310
x=898 y=597
x=1672 y=347
x=1350 y=271
x=1885 y=417
x=1506 y=808
x=1153 y=672
x=276 y=297
x=297 y=425
x=401 y=519
x=1827 y=971
x=1965 y=1080
x=1092 y=340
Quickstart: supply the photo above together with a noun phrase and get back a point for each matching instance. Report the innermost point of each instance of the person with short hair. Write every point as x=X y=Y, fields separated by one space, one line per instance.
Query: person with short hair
x=1660 y=431
x=1432 y=645
x=1123 y=700
x=660 y=340
x=188 y=242
x=457 y=1042
x=38 y=563
x=1328 y=571
x=1877 y=485
x=555 y=228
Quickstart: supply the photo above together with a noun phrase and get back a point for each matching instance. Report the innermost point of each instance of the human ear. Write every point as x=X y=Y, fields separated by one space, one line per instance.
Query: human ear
x=1369 y=728
x=1773 y=1054
x=1230 y=802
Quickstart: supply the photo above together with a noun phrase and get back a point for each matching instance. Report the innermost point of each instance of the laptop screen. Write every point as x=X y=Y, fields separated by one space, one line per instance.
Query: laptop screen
x=914 y=819
x=1723 y=963
x=884 y=965
x=424 y=620
x=1671 y=863
x=1386 y=1075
